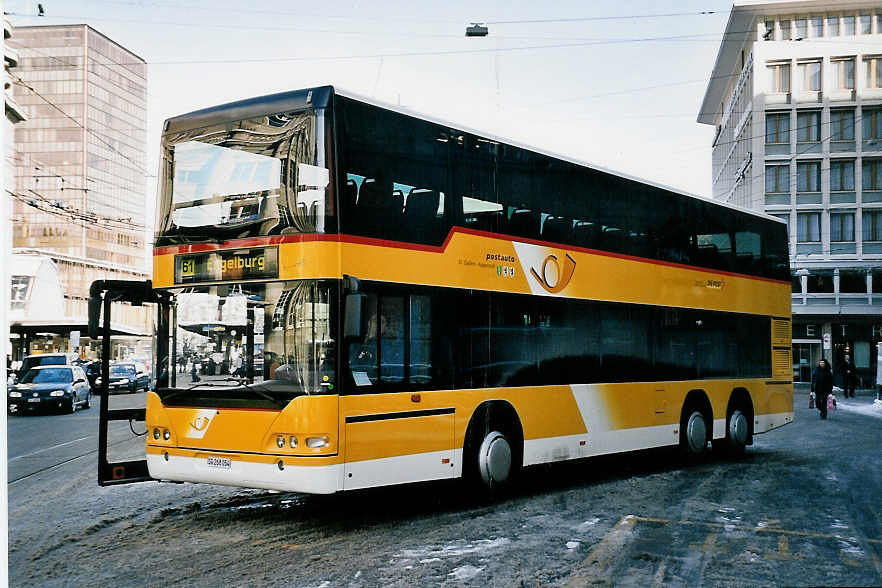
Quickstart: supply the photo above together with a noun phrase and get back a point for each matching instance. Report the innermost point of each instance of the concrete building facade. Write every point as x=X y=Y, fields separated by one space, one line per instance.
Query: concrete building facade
x=80 y=163
x=796 y=99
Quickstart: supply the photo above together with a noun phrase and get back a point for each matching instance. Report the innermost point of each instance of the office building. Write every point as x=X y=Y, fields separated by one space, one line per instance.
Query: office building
x=80 y=165
x=796 y=99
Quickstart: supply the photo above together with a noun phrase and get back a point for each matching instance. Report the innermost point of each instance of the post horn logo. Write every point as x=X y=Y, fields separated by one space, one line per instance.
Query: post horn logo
x=561 y=276
x=200 y=423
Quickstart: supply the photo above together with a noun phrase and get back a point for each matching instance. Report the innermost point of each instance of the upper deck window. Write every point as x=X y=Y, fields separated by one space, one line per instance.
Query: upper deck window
x=243 y=179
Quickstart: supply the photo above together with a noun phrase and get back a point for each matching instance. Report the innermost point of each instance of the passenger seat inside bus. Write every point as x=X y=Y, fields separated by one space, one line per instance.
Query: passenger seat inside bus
x=557 y=229
x=524 y=223
x=421 y=222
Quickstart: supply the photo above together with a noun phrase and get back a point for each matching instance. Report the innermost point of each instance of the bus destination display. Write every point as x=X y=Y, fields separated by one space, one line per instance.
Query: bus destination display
x=238 y=264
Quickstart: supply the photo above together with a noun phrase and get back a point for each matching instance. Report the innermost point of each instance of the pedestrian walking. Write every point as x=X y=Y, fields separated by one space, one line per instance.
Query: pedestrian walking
x=849 y=377
x=194 y=374
x=822 y=385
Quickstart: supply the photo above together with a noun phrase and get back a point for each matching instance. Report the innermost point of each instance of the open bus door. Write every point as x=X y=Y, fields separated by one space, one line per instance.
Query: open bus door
x=102 y=294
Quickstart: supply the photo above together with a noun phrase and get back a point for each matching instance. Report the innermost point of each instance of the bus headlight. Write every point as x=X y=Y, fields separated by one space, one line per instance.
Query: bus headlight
x=156 y=433
x=57 y=393
x=280 y=441
x=292 y=441
x=166 y=434
x=317 y=442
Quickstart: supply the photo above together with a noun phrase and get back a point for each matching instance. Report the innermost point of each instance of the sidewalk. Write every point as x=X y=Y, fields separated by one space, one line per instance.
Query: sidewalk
x=864 y=401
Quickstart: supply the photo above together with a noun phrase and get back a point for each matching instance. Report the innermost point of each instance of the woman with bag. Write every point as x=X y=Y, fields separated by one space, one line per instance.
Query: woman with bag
x=822 y=385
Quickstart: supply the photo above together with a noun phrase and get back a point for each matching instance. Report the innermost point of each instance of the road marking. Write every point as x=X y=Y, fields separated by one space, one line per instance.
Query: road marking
x=600 y=558
x=731 y=527
x=33 y=453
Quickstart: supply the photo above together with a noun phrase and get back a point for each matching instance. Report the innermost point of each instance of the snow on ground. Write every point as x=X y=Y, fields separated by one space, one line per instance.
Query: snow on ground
x=861 y=406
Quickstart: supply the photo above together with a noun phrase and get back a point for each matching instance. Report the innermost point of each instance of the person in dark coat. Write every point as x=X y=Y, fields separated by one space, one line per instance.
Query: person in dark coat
x=849 y=376
x=822 y=385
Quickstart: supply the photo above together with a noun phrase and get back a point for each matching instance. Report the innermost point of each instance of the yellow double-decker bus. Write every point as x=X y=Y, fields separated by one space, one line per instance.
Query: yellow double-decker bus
x=351 y=295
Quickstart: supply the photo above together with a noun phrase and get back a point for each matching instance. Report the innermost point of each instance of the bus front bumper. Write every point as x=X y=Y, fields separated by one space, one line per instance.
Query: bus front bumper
x=318 y=475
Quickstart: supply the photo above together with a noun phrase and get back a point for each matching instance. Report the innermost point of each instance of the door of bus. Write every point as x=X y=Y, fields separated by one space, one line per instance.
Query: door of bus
x=101 y=296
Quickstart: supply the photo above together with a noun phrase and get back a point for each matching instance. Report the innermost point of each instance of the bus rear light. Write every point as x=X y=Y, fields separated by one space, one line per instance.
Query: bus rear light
x=317 y=442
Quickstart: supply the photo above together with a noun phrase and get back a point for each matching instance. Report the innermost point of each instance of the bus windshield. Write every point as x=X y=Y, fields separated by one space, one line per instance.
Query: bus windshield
x=252 y=344
x=242 y=179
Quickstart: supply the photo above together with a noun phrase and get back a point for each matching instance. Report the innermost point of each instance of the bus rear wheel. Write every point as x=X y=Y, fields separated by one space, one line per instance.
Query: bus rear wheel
x=737 y=432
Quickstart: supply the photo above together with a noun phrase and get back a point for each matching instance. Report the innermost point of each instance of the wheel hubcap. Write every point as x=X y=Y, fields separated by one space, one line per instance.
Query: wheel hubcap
x=696 y=433
x=738 y=428
x=494 y=458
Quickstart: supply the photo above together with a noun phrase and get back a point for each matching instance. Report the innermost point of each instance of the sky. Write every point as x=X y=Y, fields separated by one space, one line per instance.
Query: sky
x=616 y=84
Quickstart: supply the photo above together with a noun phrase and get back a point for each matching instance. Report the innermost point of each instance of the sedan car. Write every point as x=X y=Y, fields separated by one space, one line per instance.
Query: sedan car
x=125 y=377
x=50 y=388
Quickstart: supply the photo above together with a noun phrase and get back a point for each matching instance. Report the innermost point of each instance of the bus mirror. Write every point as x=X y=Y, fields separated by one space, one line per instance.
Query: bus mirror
x=352 y=321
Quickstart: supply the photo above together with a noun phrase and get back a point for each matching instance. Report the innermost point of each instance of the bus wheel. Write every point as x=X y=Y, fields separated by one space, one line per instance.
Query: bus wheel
x=737 y=431
x=495 y=460
x=694 y=433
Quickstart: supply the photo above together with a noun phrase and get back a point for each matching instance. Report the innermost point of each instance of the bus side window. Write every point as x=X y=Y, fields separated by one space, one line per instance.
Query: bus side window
x=420 y=340
x=391 y=339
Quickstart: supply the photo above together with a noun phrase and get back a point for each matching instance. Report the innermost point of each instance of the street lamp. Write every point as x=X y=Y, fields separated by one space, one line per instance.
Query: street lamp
x=476 y=30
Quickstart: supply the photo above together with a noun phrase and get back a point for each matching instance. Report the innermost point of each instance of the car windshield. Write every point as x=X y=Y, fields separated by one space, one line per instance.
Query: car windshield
x=34 y=361
x=48 y=376
x=242 y=179
x=122 y=370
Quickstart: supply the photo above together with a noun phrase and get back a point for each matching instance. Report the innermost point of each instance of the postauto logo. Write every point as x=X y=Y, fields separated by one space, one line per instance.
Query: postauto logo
x=554 y=275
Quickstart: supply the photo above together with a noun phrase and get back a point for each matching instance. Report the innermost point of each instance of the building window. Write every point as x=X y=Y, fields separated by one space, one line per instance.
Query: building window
x=844 y=69
x=808 y=227
x=810 y=76
x=808 y=126
x=841 y=176
x=780 y=78
x=786 y=219
x=785 y=29
x=872 y=174
x=874 y=71
x=832 y=26
x=865 y=24
x=801 y=26
x=820 y=282
x=769 y=33
x=852 y=281
x=778 y=128
x=848 y=25
x=872 y=124
x=808 y=176
x=842 y=227
x=777 y=179
x=816 y=26
x=872 y=221
x=842 y=124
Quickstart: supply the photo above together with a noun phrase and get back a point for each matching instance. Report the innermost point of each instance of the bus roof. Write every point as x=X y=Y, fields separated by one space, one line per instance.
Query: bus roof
x=320 y=97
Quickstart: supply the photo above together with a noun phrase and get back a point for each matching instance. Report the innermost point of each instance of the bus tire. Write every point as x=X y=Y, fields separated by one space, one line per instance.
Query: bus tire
x=737 y=435
x=494 y=459
x=493 y=452
x=693 y=432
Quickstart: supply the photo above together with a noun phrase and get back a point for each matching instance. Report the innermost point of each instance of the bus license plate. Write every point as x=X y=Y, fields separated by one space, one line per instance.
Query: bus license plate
x=219 y=463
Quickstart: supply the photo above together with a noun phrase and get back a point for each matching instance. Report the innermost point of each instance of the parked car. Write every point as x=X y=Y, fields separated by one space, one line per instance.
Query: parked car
x=37 y=359
x=125 y=377
x=50 y=387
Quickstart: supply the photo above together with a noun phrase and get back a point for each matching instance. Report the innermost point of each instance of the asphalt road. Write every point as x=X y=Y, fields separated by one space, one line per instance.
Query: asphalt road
x=804 y=507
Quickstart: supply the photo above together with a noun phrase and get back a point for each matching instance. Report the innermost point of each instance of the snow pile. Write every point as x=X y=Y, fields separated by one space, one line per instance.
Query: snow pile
x=874 y=409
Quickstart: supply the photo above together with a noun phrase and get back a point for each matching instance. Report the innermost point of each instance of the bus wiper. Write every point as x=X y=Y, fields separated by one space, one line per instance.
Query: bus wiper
x=254 y=391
